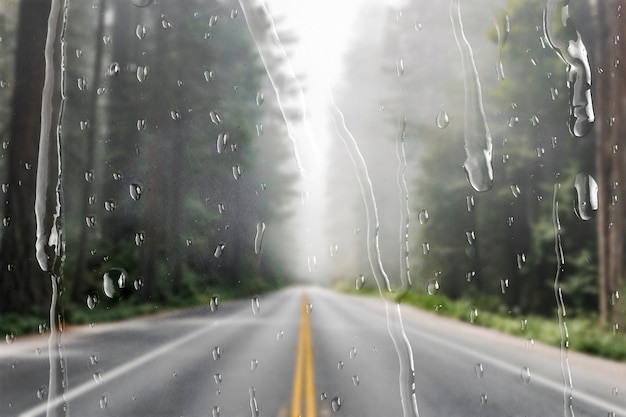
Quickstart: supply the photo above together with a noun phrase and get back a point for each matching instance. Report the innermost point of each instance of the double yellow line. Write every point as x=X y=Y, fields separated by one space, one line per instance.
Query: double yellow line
x=304 y=374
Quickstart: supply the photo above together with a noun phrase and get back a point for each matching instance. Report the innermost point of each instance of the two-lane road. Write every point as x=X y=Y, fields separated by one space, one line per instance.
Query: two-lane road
x=302 y=351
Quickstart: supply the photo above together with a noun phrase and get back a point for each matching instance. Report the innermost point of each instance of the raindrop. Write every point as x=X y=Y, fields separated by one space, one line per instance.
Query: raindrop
x=92 y=301
x=106 y=39
x=323 y=396
x=534 y=120
x=90 y=220
x=418 y=26
x=423 y=216
x=109 y=205
x=218 y=378
x=280 y=335
x=113 y=281
x=352 y=353
x=335 y=404
x=260 y=98
x=473 y=315
x=400 y=67
x=513 y=121
x=42 y=392
x=142 y=3
x=515 y=190
x=525 y=374
x=79 y=53
x=216 y=353
x=442 y=120
x=586 y=199
x=141 y=124
x=504 y=285
x=222 y=141
x=614 y=298
x=117 y=176
x=84 y=124
x=425 y=248
x=97 y=376
x=135 y=190
x=258 y=238
x=470 y=203
x=138 y=284
x=216 y=411
x=214 y=303
x=213 y=20
x=101 y=91
x=309 y=308
x=355 y=380
x=6 y=221
x=259 y=129
x=521 y=260
x=208 y=76
x=142 y=73
x=237 y=172
x=480 y=370
x=470 y=236
x=5 y=188
x=221 y=208
x=254 y=363
x=104 y=401
x=256 y=305
x=215 y=117
x=432 y=287
x=234 y=13
x=554 y=93
x=10 y=338
x=188 y=242
x=340 y=365
x=140 y=237
x=165 y=24
x=114 y=69
x=94 y=359
x=219 y=250
x=141 y=31
x=483 y=399
x=82 y=83
x=360 y=281
x=175 y=115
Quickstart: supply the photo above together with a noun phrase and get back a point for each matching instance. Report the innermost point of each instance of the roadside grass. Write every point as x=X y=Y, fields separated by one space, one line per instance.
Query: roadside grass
x=14 y=325
x=585 y=333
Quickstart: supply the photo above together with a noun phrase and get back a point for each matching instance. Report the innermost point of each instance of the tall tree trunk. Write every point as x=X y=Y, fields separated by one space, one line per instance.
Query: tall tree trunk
x=23 y=285
x=610 y=98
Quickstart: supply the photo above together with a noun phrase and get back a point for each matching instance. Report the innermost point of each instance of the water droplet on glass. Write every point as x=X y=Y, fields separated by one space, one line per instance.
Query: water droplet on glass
x=10 y=338
x=260 y=98
x=141 y=124
x=442 y=120
x=259 y=129
x=222 y=142
x=340 y=365
x=114 y=281
x=400 y=67
x=256 y=305
x=359 y=282
x=423 y=216
x=432 y=287
x=218 y=378
x=214 y=303
x=138 y=284
x=142 y=3
x=425 y=248
x=114 y=69
x=79 y=53
x=215 y=117
x=101 y=91
x=142 y=73
x=141 y=31
x=106 y=39
x=352 y=353
x=135 y=190
x=5 y=188
x=335 y=404
x=42 y=392
x=254 y=363
x=84 y=124
x=109 y=205
x=215 y=412
x=521 y=260
x=97 y=376
x=140 y=237
x=473 y=315
x=534 y=120
x=504 y=285
x=216 y=353
x=355 y=380
x=525 y=374
x=237 y=172
x=175 y=115
x=213 y=20
x=470 y=236
x=208 y=76
x=117 y=176
x=513 y=121
x=554 y=93
x=90 y=220
x=82 y=83
x=483 y=399
x=469 y=200
x=515 y=190
x=258 y=238
x=219 y=250
x=586 y=198
x=165 y=24
x=614 y=298
x=6 y=221
x=280 y=335
x=104 y=401
x=92 y=301
x=480 y=370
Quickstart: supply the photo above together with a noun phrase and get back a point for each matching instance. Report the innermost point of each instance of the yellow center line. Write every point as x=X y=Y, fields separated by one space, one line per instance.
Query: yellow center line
x=304 y=373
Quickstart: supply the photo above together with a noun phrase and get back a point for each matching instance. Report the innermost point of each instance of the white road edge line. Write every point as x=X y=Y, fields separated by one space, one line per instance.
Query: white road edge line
x=122 y=369
x=541 y=380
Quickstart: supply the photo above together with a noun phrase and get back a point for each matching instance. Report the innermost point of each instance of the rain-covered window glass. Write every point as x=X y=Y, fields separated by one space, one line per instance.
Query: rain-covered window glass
x=312 y=208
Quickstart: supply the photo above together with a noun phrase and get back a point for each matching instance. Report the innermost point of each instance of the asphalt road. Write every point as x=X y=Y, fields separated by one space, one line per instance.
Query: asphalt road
x=303 y=351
